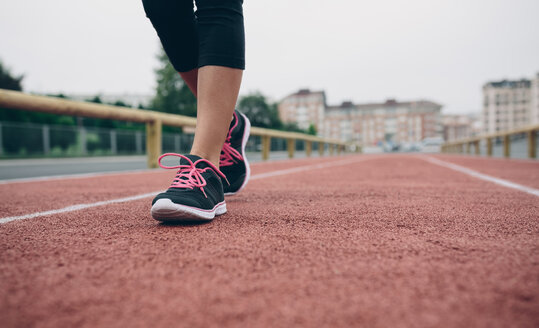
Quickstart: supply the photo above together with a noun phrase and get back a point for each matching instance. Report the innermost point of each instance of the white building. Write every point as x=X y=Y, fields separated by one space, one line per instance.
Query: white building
x=367 y=124
x=377 y=123
x=399 y=122
x=304 y=108
x=534 y=109
x=508 y=105
x=457 y=127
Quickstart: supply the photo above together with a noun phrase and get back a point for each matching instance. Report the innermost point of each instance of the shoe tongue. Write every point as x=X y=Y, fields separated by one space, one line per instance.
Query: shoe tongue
x=193 y=159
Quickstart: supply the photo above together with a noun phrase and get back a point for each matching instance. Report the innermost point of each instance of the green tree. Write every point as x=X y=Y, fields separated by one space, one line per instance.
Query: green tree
x=11 y=82
x=311 y=129
x=120 y=103
x=96 y=122
x=255 y=106
x=292 y=127
x=8 y=81
x=172 y=93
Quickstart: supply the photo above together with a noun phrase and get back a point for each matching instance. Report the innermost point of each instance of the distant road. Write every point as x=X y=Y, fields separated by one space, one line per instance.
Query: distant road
x=29 y=168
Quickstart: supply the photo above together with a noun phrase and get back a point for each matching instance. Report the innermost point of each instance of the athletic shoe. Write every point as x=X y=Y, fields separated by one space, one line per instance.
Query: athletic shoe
x=196 y=194
x=233 y=162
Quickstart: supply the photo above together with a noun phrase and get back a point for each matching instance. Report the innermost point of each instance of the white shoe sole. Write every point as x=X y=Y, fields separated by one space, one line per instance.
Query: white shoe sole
x=246 y=133
x=167 y=211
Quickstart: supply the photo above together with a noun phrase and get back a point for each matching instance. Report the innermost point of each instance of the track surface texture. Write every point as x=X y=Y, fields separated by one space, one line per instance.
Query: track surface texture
x=361 y=240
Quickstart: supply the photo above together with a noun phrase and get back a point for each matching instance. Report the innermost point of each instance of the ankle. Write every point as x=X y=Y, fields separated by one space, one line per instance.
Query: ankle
x=213 y=159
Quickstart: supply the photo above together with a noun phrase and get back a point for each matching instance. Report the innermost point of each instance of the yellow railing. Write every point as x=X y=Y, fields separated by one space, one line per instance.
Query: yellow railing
x=154 y=122
x=465 y=145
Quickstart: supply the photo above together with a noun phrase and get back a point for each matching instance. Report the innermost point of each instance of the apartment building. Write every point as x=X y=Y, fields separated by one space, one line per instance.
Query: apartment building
x=508 y=105
x=456 y=127
x=304 y=107
x=339 y=122
x=367 y=124
x=398 y=122
x=534 y=104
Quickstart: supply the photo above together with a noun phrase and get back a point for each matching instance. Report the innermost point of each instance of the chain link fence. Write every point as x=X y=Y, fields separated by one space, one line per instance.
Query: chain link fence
x=518 y=148
x=23 y=140
x=38 y=140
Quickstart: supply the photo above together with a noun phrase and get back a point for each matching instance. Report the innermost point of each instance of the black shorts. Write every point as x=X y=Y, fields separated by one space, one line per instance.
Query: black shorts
x=212 y=35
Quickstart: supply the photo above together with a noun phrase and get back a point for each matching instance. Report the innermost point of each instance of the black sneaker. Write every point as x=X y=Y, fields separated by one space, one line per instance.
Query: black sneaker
x=233 y=162
x=196 y=194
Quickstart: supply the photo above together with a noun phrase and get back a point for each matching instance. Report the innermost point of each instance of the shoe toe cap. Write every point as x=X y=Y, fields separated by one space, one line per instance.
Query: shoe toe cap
x=187 y=199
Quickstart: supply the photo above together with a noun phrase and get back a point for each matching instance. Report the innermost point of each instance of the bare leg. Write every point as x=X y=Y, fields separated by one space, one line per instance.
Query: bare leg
x=191 y=79
x=217 y=90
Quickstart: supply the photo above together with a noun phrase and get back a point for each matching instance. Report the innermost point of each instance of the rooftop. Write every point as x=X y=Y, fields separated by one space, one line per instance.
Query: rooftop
x=387 y=103
x=306 y=92
x=523 y=83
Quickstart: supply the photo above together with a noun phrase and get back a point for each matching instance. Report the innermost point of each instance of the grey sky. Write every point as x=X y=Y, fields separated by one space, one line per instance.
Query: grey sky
x=355 y=50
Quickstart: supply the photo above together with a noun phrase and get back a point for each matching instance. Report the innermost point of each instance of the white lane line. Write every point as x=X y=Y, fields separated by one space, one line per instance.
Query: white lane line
x=308 y=167
x=78 y=207
x=475 y=174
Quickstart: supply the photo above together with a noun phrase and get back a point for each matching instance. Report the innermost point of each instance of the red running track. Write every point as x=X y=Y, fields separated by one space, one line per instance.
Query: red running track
x=375 y=241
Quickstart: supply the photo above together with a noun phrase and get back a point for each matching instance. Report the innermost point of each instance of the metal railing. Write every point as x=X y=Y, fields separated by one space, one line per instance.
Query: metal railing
x=154 y=122
x=465 y=145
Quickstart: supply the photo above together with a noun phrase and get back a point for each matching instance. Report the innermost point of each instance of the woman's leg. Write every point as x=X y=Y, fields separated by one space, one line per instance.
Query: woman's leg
x=197 y=192
x=221 y=34
x=218 y=89
x=191 y=79
x=221 y=60
x=176 y=25
x=212 y=39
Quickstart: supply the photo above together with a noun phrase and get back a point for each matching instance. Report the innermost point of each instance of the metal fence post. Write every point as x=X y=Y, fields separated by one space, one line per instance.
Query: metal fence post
x=177 y=143
x=82 y=141
x=113 y=142
x=1 y=142
x=138 y=142
x=45 y=136
x=308 y=148
x=153 y=142
x=291 y=147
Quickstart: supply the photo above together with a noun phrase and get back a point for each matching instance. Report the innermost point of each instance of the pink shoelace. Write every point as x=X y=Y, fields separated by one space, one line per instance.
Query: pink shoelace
x=188 y=175
x=229 y=155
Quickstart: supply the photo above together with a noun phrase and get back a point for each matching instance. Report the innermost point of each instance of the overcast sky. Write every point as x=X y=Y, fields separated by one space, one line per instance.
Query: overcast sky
x=356 y=50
